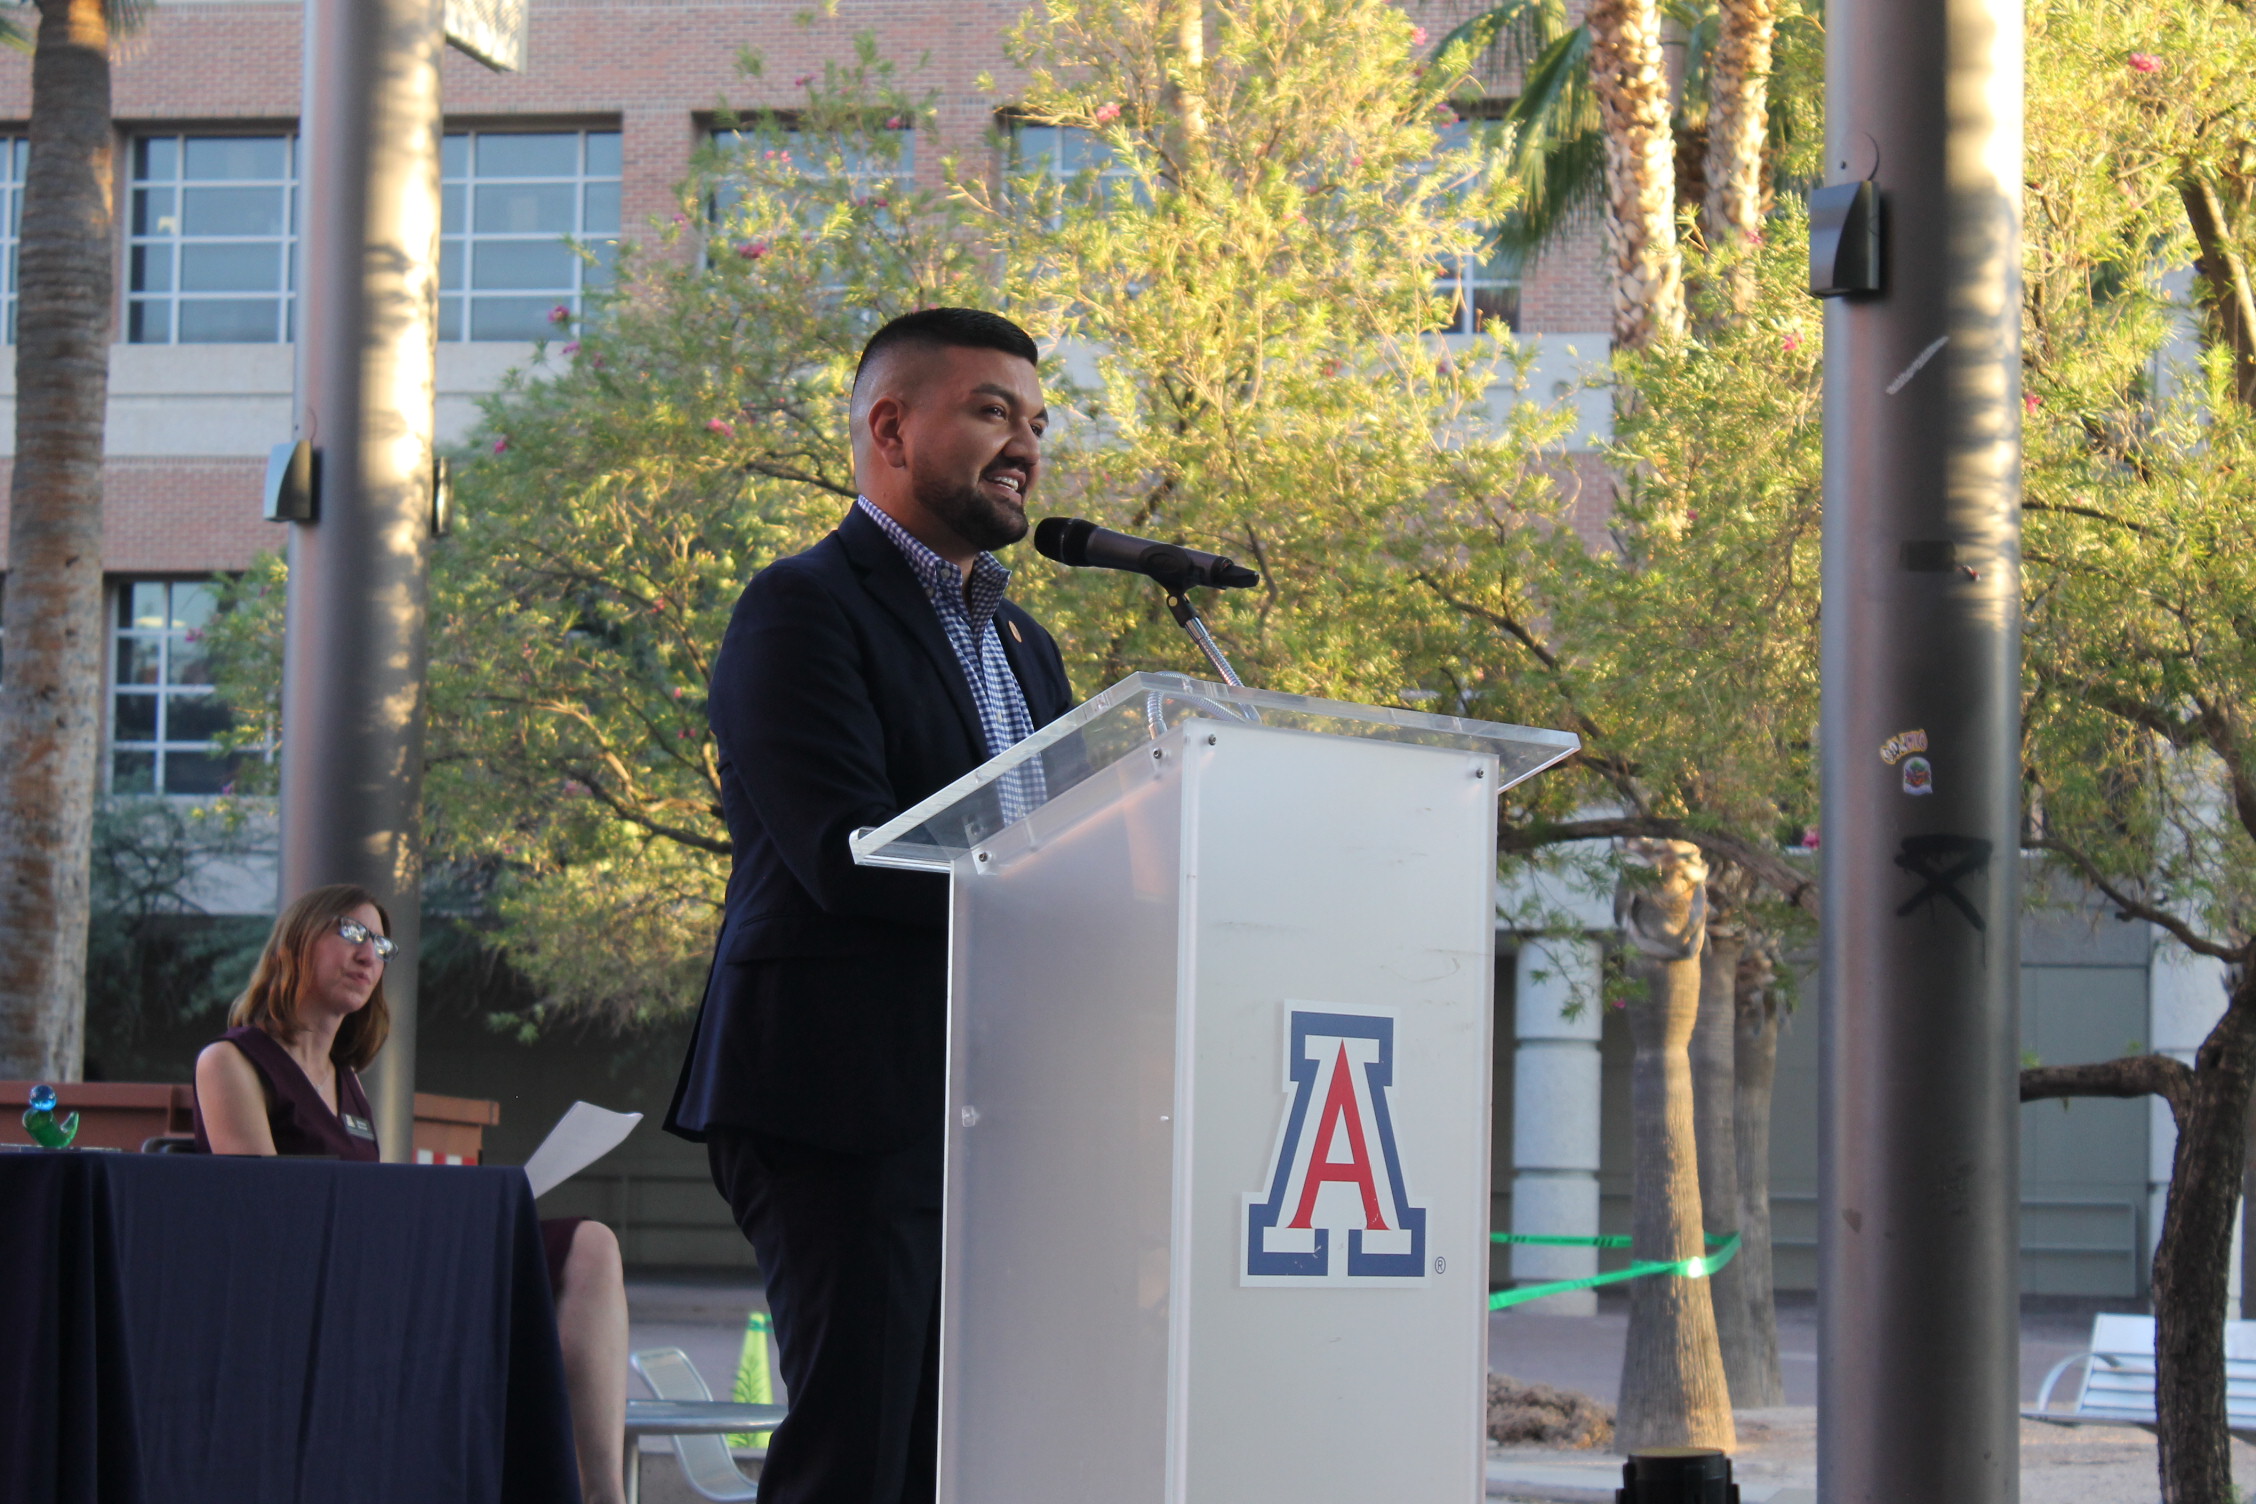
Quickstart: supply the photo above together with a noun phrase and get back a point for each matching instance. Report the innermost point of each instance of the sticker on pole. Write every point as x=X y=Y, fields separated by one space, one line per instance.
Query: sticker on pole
x=1335 y=1210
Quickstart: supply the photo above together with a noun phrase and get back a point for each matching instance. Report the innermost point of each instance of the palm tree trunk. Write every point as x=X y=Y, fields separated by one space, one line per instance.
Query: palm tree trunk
x=2190 y=1262
x=1714 y=1111
x=1630 y=79
x=1758 y=1383
x=1673 y=1391
x=1738 y=124
x=51 y=671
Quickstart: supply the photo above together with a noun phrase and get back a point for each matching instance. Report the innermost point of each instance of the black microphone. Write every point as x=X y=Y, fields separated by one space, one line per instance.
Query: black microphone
x=1084 y=545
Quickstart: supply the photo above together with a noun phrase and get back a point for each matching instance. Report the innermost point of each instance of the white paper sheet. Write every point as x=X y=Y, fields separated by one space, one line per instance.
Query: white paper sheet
x=581 y=1137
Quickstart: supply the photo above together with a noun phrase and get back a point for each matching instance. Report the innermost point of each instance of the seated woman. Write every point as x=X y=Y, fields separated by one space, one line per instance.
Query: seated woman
x=282 y=1080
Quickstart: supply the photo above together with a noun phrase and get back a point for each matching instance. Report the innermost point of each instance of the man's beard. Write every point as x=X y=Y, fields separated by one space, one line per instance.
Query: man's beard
x=971 y=513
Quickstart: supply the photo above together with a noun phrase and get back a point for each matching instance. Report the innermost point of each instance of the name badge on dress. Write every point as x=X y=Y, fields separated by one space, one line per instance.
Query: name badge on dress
x=357 y=1127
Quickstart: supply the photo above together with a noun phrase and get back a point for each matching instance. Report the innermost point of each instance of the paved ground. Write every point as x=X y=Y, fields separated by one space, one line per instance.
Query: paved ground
x=1584 y=1352
x=1775 y=1463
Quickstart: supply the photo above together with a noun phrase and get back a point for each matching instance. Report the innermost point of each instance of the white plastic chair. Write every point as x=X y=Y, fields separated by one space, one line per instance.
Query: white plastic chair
x=705 y=1459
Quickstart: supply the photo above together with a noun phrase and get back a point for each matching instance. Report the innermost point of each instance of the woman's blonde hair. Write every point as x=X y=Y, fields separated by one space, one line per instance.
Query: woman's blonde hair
x=271 y=1001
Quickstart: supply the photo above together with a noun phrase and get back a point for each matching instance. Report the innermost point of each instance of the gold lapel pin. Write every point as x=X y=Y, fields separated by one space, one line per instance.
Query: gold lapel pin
x=1015 y=633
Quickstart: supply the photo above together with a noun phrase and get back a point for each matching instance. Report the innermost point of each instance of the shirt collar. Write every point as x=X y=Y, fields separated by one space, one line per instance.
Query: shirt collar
x=941 y=579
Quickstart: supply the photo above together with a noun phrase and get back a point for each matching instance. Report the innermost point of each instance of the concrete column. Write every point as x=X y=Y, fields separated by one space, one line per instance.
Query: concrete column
x=1555 y=1092
x=2185 y=996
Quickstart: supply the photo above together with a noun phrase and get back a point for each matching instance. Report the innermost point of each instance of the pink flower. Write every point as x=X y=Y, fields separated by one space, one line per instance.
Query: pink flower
x=752 y=250
x=501 y=446
x=2145 y=62
x=881 y=202
x=1790 y=343
x=2030 y=402
x=892 y=122
x=1107 y=113
x=721 y=426
x=685 y=733
x=1754 y=237
x=1809 y=838
x=1444 y=115
x=802 y=80
x=677 y=692
x=560 y=314
x=574 y=787
x=195 y=635
x=572 y=347
x=1417 y=36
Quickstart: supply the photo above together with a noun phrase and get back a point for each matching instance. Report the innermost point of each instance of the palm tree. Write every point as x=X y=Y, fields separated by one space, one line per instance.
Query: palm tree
x=1725 y=129
x=1673 y=1390
x=51 y=672
x=1629 y=78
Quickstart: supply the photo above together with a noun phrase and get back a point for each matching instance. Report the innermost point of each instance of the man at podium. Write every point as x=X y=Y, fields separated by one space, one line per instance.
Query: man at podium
x=855 y=679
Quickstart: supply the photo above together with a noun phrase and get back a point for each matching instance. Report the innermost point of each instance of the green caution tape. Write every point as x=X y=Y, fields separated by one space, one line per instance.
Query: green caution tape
x=1699 y=1266
x=755 y=1382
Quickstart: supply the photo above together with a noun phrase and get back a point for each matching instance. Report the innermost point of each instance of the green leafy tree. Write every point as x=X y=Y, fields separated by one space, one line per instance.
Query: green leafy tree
x=1247 y=293
x=1248 y=306
x=1676 y=632
x=2141 y=658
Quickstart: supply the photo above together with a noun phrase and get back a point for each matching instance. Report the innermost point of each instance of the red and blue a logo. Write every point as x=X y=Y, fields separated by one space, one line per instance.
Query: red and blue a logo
x=1336 y=1210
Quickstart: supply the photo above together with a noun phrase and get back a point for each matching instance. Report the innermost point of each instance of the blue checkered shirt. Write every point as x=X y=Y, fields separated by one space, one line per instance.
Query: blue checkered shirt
x=967 y=615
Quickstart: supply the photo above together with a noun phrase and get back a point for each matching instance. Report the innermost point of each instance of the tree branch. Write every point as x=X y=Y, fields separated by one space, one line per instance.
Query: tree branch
x=2092 y=512
x=1774 y=871
x=2232 y=301
x=2133 y=908
x=2131 y=1076
x=636 y=817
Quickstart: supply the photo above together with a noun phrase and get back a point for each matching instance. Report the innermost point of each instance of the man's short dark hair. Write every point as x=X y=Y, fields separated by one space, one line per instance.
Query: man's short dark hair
x=949 y=328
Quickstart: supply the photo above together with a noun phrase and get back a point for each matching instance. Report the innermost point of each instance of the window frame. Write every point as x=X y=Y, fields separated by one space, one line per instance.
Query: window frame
x=120 y=630
x=457 y=323
x=177 y=241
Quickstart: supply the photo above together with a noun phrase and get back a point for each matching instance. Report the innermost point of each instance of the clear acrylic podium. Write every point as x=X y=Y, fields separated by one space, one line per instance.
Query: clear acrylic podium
x=1216 y=1225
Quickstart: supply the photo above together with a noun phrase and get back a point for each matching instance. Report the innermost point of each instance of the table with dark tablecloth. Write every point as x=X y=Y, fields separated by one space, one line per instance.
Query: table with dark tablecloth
x=177 y=1329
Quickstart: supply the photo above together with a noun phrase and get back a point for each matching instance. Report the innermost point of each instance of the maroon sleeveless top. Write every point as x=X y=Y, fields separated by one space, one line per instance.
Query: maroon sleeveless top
x=300 y=1121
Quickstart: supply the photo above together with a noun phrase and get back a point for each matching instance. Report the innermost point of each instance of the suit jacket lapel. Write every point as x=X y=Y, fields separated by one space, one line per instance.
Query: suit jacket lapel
x=1019 y=654
x=890 y=581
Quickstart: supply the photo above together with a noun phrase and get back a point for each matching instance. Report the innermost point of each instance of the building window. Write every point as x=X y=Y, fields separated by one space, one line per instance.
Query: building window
x=1483 y=290
x=1062 y=152
x=163 y=713
x=780 y=149
x=15 y=152
x=513 y=204
x=1067 y=154
x=211 y=245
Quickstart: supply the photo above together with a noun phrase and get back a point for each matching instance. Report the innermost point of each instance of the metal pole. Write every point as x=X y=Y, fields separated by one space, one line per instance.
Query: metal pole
x=1919 y=1210
x=352 y=698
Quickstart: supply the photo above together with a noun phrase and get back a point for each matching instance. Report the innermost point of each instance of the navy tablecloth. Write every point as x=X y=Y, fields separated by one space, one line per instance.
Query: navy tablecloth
x=177 y=1329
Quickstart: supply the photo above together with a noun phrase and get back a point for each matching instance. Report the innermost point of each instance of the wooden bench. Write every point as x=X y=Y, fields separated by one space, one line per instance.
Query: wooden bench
x=2118 y=1382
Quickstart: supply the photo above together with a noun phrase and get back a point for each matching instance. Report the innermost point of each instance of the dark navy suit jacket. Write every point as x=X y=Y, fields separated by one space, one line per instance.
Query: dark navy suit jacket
x=837 y=703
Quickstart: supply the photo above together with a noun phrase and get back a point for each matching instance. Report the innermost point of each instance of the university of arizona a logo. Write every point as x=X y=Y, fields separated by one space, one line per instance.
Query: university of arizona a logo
x=1335 y=1209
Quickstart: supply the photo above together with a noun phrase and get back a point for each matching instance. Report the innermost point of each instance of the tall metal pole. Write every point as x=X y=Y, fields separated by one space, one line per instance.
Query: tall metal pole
x=1919 y=1197
x=352 y=696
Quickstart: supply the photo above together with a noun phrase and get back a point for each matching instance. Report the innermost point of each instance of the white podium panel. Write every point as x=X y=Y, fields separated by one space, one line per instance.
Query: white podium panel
x=1217 y=1186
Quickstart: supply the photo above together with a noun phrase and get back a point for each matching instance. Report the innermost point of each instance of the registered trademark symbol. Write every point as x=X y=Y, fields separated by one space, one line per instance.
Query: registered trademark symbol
x=1441 y=1265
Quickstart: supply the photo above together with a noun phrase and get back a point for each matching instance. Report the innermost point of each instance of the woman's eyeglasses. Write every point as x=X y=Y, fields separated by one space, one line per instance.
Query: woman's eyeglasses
x=356 y=933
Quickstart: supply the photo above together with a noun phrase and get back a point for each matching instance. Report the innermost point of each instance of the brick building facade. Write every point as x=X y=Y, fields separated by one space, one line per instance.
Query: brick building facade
x=599 y=128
